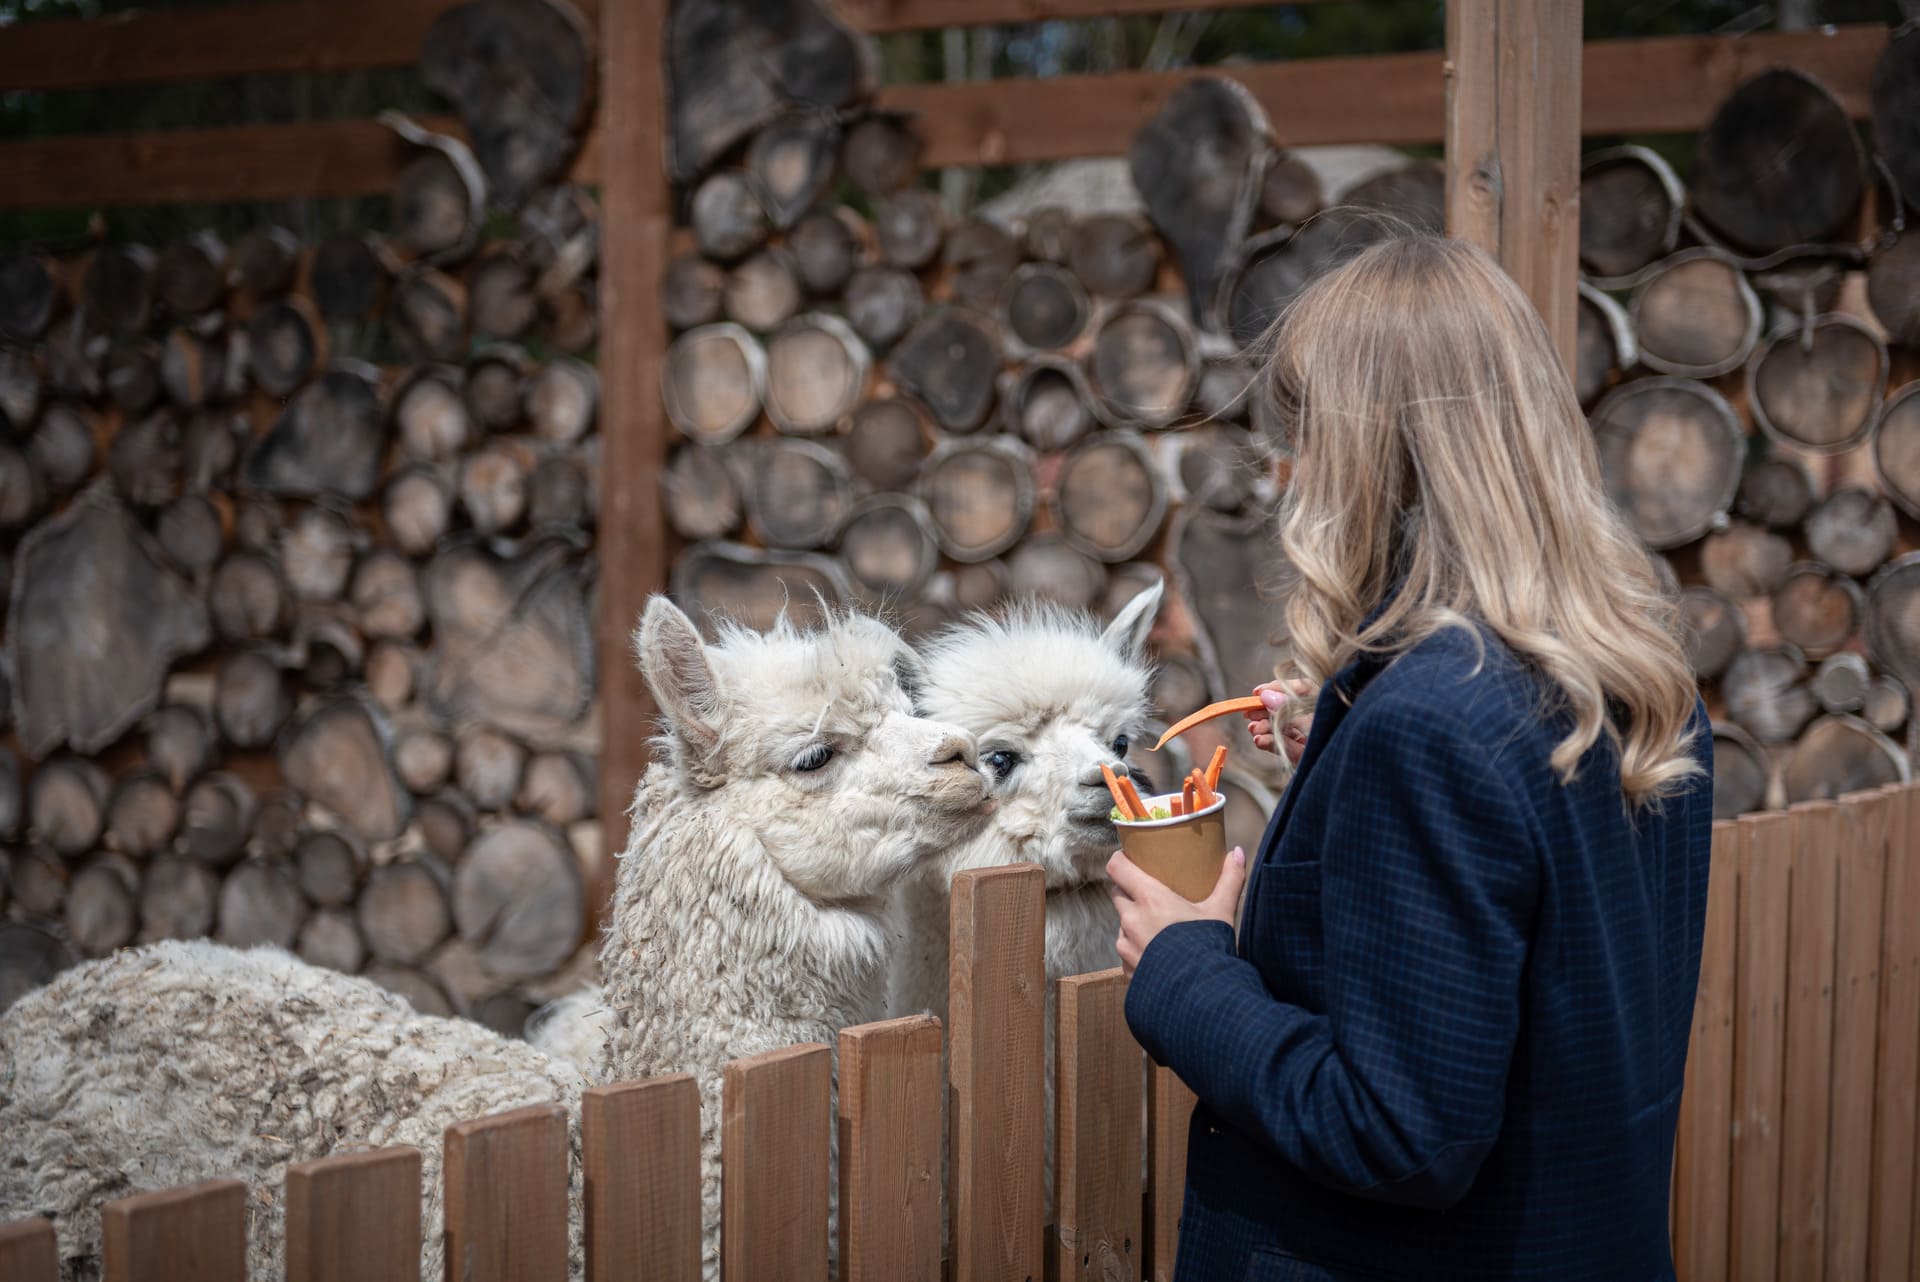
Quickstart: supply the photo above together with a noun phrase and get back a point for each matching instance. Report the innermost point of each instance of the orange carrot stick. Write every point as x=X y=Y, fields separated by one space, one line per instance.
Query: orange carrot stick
x=1226 y=707
x=1177 y=805
x=1119 y=796
x=1201 y=792
x=1140 y=810
x=1187 y=797
x=1215 y=766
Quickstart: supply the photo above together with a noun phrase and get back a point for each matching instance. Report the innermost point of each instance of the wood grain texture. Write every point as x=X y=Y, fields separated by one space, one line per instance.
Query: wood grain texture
x=1890 y=1233
x=355 y=1218
x=28 y=1251
x=196 y=1234
x=890 y=1136
x=1760 y=995
x=1807 y=1092
x=506 y=1196
x=996 y=1109
x=773 y=1165
x=1703 y=1159
x=1862 y=853
x=640 y=1146
x=1169 y=1108
x=1097 y=1207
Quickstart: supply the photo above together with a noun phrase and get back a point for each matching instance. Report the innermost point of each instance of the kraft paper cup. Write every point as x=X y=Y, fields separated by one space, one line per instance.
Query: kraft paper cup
x=1184 y=853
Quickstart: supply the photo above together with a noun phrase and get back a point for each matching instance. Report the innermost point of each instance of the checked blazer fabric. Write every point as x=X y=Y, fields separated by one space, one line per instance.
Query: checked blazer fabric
x=1450 y=1039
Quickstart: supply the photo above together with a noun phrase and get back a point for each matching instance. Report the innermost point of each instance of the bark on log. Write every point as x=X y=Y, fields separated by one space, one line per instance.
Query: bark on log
x=1742 y=775
x=1670 y=453
x=101 y=912
x=1853 y=530
x=1110 y=496
x=331 y=939
x=248 y=598
x=216 y=817
x=1778 y=164
x=1603 y=344
x=886 y=443
x=316 y=554
x=699 y=494
x=445 y=821
x=1044 y=307
x=1896 y=448
x=790 y=164
x=29 y=296
x=713 y=382
x=1744 y=560
x=67 y=805
x=881 y=154
x=1816 y=610
x=404 y=911
x=423 y=759
x=562 y=399
x=691 y=290
x=390 y=675
x=495 y=390
x=336 y=756
x=250 y=699
x=1893 y=289
x=1842 y=681
x=37 y=880
x=1046 y=234
x=427 y=315
x=763 y=293
x=980 y=496
x=1714 y=629
x=493 y=487
x=1046 y=567
x=1767 y=693
x=189 y=277
x=488 y=768
x=145 y=461
x=1114 y=255
x=1049 y=404
x=142 y=814
x=754 y=587
x=133 y=376
x=260 y=904
x=1892 y=631
x=418 y=507
x=1631 y=209
x=816 y=373
x=178 y=899
x=263 y=262
x=883 y=303
x=826 y=248
x=1887 y=704
x=328 y=442
x=798 y=493
x=558 y=787
x=1776 y=492
x=193 y=368
x=1143 y=366
x=286 y=343
x=346 y=278
x=1290 y=191
x=434 y=422
x=909 y=227
x=1696 y=316
x=386 y=596
x=1841 y=754
x=279 y=825
x=519 y=898
x=728 y=220
x=889 y=549
x=1219 y=466
x=439 y=198
x=61 y=449
x=979 y=258
x=117 y=292
x=949 y=361
x=1819 y=389
x=179 y=744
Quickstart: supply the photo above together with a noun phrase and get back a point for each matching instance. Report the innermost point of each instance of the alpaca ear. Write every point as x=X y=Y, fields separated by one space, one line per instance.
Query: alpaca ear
x=1127 y=634
x=673 y=660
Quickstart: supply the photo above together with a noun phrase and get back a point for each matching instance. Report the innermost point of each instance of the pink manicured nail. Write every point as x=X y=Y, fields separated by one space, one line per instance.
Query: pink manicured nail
x=1273 y=699
x=1239 y=855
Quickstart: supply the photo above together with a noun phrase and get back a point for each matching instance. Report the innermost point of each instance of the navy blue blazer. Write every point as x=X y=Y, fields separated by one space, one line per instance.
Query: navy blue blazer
x=1449 y=1043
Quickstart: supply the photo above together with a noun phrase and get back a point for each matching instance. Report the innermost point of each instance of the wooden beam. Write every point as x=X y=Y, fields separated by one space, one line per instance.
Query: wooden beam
x=1513 y=147
x=878 y=17
x=636 y=220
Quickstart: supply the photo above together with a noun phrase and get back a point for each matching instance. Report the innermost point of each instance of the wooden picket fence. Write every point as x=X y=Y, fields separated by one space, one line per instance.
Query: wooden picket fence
x=1795 y=1161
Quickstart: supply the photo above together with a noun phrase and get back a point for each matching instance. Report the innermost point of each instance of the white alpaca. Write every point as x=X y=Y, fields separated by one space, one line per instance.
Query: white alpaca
x=792 y=791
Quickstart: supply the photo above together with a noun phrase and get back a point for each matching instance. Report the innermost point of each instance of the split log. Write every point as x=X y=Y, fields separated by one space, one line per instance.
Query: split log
x=210 y=446
x=1767 y=693
x=61 y=448
x=418 y=507
x=263 y=262
x=1895 y=94
x=118 y=290
x=562 y=399
x=330 y=649
x=336 y=755
x=699 y=494
x=1887 y=704
x=691 y=290
x=67 y=805
x=427 y=315
x=1742 y=774
x=142 y=814
x=279 y=825
x=76 y=359
x=90 y=582
x=1229 y=572
x=37 y=880
x=1853 y=530
x=22 y=496
x=1892 y=631
x=101 y=912
x=1269 y=270
x=1290 y=191
x=329 y=441
x=889 y=548
x=522 y=74
x=133 y=376
x=981 y=585
x=247 y=598
x=144 y=459
x=1199 y=164
x=29 y=296
x=495 y=390
x=440 y=197
x=1046 y=234
x=1048 y=404
x=260 y=904
x=193 y=368
x=346 y=278
x=1631 y=209
x=1776 y=492
x=1143 y=366
x=1670 y=453
x=816 y=374
x=1696 y=316
x=1219 y=466
x=1778 y=164
x=1044 y=306
x=178 y=899
x=250 y=699
x=189 y=277
x=979 y=258
x=559 y=495
x=1110 y=496
x=519 y=898
x=713 y=383
x=505 y=1013
x=1893 y=289
x=949 y=361
x=558 y=787
x=423 y=759
x=1046 y=567
x=1839 y=754
x=881 y=154
x=1744 y=560
x=1179 y=687
x=1603 y=344
x=798 y=493
x=257 y=525
x=826 y=248
x=432 y=415
x=13 y=802
x=979 y=495
x=763 y=292
x=20 y=389
x=488 y=767
x=1114 y=255
x=286 y=343
x=494 y=621
x=179 y=744
x=1842 y=681
x=386 y=596
x=331 y=939
x=316 y=555
x=886 y=443
x=1413 y=193
x=572 y=317
x=501 y=296
x=30 y=957
x=1896 y=448
x=493 y=487
x=909 y=227
x=390 y=675
x=790 y=163
x=728 y=220
x=420 y=990
x=215 y=818
x=1816 y=610
x=1819 y=388
x=404 y=911
x=445 y=821
x=1714 y=629
x=754 y=587
x=883 y=303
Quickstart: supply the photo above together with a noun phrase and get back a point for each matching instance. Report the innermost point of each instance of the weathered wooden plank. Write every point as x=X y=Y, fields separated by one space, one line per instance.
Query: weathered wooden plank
x=1807 y=1093
x=890 y=1100
x=1703 y=1160
x=997 y=1011
x=640 y=1148
x=28 y=1251
x=1097 y=1104
x=1760 y=1029
x=773 y=1165
x=1890 y=1242
x=506 y=1196
x=196 y=1234
x=1169 y=1109
x=878 y=17
x=355 y=1218
x=1862 y=850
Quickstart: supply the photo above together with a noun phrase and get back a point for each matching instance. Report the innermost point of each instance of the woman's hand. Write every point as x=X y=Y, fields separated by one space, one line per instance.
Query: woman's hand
x=1147 y=907
x=1293 y=734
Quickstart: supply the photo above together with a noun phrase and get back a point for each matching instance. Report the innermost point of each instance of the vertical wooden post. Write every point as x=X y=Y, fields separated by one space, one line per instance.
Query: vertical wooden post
x=890 y=1151
x=1170 y=1108
x=1806 y=1099
x=1703 y=1158
x=28 y=1252
x=773 y=1165
x=506 y=1196
x=196 y=1234
x=1897 y=1075
x=634 y=224
x=1856 y=1018
x=1759 y=1045
x=355 y=1217
x=640 y=1148
x=1096 y=1098
x=1513 y=146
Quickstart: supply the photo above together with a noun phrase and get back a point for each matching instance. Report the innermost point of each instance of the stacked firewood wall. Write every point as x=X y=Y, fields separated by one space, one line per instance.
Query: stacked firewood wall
x=299 y=645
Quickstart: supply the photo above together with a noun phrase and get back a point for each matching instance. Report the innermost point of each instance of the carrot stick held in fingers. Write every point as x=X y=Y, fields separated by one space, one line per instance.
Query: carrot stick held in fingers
x=1224 y=708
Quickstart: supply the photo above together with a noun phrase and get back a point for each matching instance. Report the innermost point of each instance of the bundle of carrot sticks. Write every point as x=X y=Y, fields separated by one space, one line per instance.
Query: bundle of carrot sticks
x=1200 y=790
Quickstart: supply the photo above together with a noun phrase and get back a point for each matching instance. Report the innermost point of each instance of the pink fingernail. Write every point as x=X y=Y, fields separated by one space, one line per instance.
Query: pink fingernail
x=1273 y=699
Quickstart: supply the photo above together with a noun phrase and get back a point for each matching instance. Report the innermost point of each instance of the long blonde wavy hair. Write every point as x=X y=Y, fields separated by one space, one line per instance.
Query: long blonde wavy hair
x=1439 y=444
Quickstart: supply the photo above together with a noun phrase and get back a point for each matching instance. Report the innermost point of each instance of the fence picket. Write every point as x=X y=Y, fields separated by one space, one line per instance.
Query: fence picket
x=1806 y=1097
x=1096 y=1186
x=1862 y=850
x=1169 y=1108
x=355 y=1217
x=194 y=1234
x=1890 y=1231
x=997 y=1005
x=1760 y=989
x=773 y=1166
x=28 y=1252
x=640 y=1148
x=1703 y=1163
x=506 y=1196
x=890 y=1095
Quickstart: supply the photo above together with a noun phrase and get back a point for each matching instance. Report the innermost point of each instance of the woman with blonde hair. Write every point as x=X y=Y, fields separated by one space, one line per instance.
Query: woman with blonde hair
x=1448 y=1041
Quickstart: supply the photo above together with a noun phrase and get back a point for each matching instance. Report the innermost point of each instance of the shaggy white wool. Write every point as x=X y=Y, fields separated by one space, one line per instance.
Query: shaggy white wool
x=186 y=1061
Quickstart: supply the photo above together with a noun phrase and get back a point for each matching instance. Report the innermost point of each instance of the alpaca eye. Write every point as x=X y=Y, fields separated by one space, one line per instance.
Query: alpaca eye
x=814 y=758
x=1120 y=746
x=1001 y=762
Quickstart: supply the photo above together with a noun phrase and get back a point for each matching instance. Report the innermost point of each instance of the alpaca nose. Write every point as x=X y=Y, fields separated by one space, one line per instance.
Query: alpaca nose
x=954 y=750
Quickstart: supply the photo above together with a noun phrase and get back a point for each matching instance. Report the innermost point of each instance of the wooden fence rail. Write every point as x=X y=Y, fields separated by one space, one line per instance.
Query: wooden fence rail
x=1795 y=1159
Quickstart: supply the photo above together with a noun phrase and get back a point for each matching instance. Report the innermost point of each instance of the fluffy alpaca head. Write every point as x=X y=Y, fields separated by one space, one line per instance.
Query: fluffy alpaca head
x=1049 y=698
x=809 y=739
